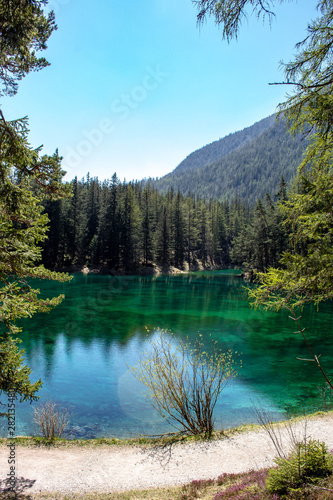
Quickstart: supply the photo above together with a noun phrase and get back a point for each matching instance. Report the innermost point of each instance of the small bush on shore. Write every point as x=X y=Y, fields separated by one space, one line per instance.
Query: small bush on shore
x=51 y=419
x=308 y=463
x=184 y=381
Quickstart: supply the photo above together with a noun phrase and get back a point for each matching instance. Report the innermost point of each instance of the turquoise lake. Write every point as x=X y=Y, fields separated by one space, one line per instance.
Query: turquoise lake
x=82 y=350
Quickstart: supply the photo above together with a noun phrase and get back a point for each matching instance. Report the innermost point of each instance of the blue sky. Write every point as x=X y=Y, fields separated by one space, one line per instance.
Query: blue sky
x=136 y=86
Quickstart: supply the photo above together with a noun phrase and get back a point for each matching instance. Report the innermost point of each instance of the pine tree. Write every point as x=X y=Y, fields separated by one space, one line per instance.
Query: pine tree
x=130 y=224
x=91 y=207
x=191 y=228
x=26 y=179
x=219 y=236
x=178 y=231
x=163 y=238
x=109 y=225
x=147 y=226
x=72 y=224
x=305 y=274
x=53 y=253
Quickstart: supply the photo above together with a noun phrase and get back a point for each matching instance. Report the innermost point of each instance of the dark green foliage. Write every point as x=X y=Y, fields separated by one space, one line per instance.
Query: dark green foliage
x=248 y=171
x=307 y=464
x=109 y=223
x=24 y=30
x=262 y=242
x=178 y=224
x=14 y=374
x=305 y=273
x=163 y=251
x=229 y=14
x=26 y=178
x=125 y=226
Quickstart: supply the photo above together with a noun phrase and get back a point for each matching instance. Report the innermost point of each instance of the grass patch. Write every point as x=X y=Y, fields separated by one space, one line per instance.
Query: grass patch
x=139 y=441
x=146 y=440
x=244 y=486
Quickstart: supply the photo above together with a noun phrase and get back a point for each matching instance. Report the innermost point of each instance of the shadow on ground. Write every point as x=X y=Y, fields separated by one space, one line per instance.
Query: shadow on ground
x=20 y=491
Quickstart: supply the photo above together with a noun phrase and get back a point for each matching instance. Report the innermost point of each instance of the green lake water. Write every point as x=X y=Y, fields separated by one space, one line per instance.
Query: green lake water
x=82 y=350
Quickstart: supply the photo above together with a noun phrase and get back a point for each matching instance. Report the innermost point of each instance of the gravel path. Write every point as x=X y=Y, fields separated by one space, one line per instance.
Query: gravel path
x=115 y=468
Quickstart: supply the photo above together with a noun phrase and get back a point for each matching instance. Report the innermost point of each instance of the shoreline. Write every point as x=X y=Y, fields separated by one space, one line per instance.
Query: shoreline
x=110 y=469
x=163 y=439
x=150 y=270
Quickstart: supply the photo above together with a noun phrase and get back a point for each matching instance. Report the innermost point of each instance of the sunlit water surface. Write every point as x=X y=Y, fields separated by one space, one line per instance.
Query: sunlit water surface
x=83 y=348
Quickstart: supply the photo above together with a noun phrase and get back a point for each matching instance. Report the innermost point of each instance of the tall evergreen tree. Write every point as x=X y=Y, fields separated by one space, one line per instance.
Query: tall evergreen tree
x=130 y=223
x=109 y=226
x=301 y=276
x=26 y=178
x=191 y=228
x=163 y=238
x=53 y=252
x=73 y=223
x=146 y=231
x=178 y=231
x=219 y=236
x=91 y=210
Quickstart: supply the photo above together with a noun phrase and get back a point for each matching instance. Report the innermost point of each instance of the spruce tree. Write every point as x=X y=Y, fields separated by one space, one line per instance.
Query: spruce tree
x=305 y=273
x=178 y=231
x=26 y=179
x=147 y=226
x=163 y=238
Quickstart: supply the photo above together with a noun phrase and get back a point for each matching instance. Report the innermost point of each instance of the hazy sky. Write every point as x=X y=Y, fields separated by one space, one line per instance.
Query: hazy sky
x=136 y=86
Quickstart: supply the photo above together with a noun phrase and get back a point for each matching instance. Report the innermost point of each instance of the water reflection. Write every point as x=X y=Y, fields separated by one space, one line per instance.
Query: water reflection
x=81 y=349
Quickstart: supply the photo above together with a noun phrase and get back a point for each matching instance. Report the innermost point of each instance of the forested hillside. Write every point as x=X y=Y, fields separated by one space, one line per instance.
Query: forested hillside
x=218 y=149
x=125 y=226
x=250 y=165
x=196 y=216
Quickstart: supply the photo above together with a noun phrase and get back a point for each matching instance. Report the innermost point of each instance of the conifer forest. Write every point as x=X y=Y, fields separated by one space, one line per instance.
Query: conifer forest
x=125 y=226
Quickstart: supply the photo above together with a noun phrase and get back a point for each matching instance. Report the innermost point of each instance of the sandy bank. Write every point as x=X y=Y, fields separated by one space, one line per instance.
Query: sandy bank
x=113 y=468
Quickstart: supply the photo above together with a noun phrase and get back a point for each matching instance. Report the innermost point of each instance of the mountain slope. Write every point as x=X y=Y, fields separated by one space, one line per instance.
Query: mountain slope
x=218 y=149
x=247 y=164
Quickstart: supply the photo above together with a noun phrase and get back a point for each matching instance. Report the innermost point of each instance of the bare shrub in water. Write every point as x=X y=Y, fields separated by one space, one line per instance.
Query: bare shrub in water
x=184 y=382
x=51 y=419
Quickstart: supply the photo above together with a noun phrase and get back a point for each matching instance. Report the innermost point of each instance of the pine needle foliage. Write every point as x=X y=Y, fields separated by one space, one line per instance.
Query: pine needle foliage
x=26 y=179
x=24 y=30
x=308 y=463
x=305 y=273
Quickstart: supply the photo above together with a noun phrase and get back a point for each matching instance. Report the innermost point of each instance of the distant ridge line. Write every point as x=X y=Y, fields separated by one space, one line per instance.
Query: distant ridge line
x=248 y=163
x=222 y=147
